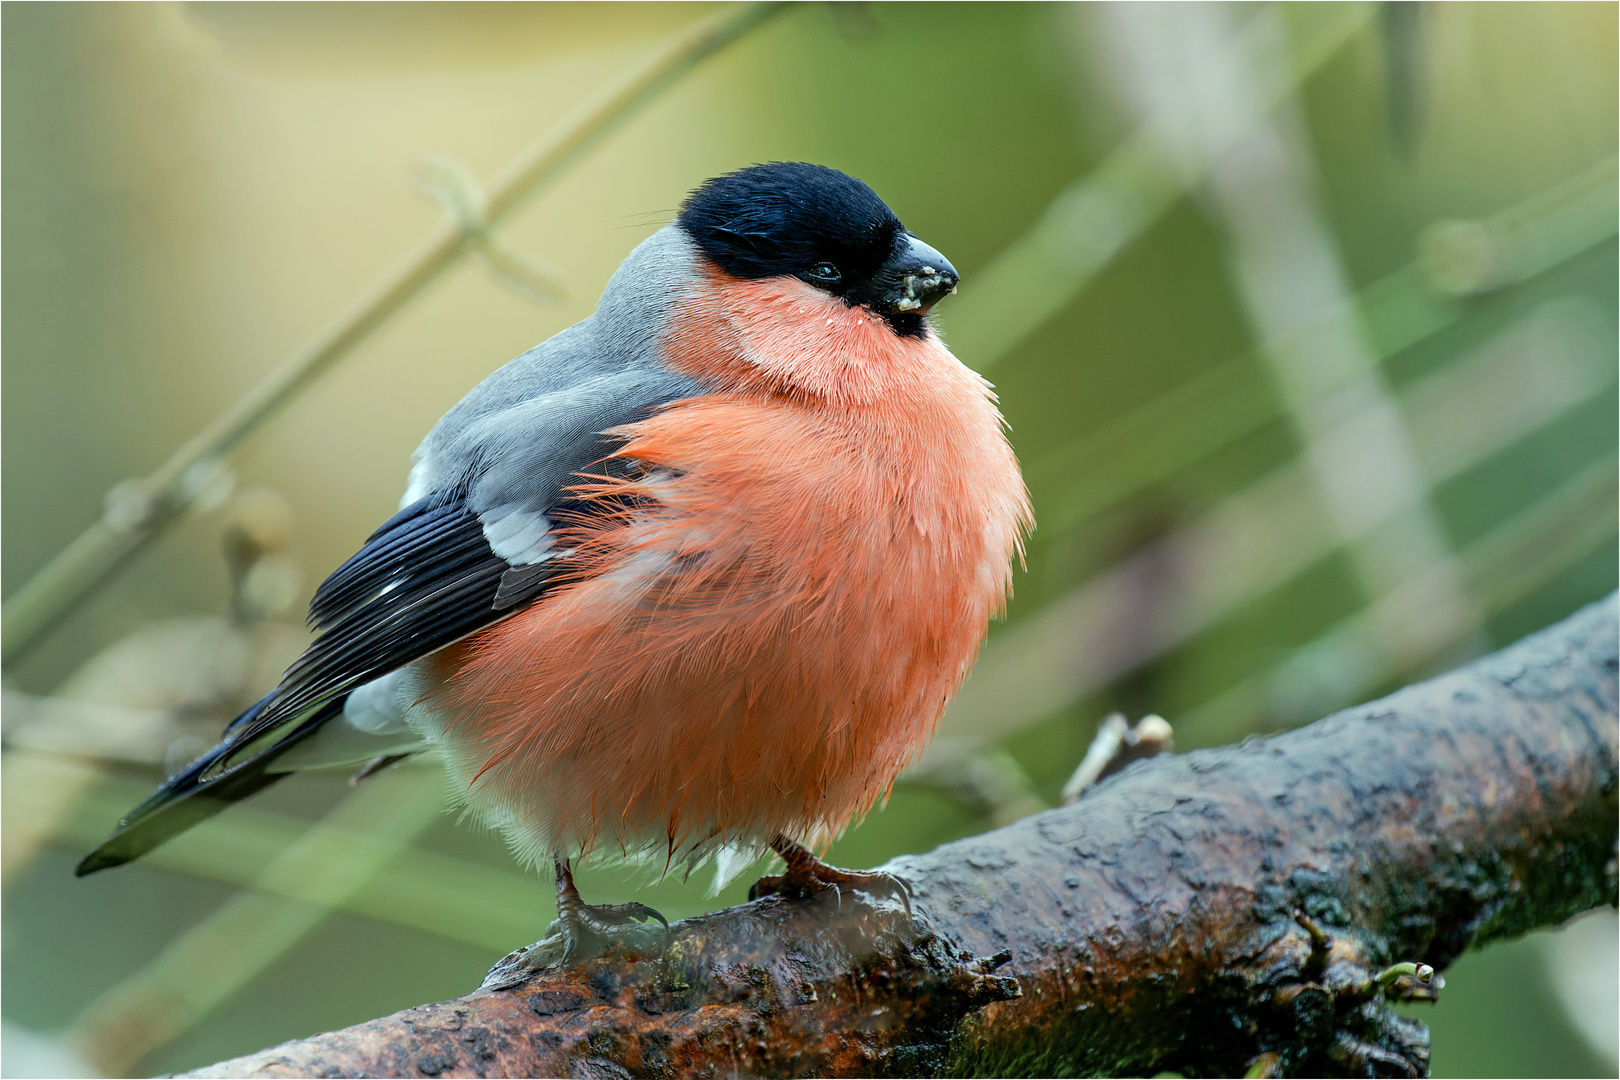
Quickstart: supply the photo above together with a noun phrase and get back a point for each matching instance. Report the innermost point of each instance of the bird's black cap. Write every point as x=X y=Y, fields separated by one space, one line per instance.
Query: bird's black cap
x=822 y=226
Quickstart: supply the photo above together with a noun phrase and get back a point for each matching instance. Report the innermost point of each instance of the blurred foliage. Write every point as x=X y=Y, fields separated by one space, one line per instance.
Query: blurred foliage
x=191 y=191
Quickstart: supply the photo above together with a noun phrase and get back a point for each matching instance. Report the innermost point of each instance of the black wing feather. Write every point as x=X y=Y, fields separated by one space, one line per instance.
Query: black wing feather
x=425 y=579
x=194 y=795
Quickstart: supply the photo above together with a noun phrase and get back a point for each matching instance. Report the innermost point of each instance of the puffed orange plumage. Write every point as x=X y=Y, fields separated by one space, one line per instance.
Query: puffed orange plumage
x=694 y=577
x=771 y=621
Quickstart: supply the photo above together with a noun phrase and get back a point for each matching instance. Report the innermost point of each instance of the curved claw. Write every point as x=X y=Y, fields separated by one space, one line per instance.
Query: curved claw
x=590 y=929
x=621 y=914
x=807 y=875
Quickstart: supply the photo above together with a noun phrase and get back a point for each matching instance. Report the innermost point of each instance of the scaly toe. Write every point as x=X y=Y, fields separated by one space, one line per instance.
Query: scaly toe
x=591 y=930
x=765 y=886
x=807 y=875
x=874 y=883
x=623 y=914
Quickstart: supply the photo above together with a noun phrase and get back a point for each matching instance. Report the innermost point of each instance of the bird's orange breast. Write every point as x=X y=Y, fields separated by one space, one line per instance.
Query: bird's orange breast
x=760 y=628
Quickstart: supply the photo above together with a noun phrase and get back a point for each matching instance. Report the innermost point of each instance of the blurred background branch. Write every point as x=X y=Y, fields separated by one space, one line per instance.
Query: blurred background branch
x=1098 y=216
x=288 y=893
x=140 y=510
x=1261 y=536
x=1189 y=239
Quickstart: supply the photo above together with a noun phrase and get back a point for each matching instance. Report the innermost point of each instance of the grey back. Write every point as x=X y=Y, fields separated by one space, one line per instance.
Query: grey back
x=515 y=441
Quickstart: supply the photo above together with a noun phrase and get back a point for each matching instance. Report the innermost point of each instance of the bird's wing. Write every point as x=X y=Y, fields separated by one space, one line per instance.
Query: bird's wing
x=469 y=552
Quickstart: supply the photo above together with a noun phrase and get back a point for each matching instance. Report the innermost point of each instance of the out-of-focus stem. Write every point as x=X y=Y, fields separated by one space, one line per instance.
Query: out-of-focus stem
x=203 y=967
x=144 y=508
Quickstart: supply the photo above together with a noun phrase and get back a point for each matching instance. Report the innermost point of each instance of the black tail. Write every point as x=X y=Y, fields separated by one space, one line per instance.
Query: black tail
x=204 y=788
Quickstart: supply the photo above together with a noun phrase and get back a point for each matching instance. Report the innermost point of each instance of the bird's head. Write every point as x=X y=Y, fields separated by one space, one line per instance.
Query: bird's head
x=825 y=228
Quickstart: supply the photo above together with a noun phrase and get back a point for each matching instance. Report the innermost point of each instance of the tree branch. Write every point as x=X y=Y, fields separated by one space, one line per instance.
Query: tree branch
x=1214 y=912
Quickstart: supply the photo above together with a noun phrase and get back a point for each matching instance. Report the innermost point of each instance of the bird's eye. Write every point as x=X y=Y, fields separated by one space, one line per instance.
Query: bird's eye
x=825 y=273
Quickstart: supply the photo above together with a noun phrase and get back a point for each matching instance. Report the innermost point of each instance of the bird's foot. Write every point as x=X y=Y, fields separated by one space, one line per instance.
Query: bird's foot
x=592 y=929
x=581 y=931
x=807 y=875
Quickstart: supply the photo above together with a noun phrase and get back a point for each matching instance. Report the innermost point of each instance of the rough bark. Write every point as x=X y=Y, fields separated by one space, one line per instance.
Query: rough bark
x=1211 y=913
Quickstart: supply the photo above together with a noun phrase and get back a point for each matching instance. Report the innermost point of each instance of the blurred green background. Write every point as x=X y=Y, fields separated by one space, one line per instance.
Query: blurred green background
x=1303 y=319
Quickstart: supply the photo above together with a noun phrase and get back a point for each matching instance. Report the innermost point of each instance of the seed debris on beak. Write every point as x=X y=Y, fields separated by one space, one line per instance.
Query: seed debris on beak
x=930 y=283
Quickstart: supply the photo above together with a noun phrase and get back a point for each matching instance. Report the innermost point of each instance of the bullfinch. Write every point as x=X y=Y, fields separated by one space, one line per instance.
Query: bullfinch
x=692 y=579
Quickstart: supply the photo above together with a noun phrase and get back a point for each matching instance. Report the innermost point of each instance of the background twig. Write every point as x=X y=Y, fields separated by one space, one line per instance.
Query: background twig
x=140 y=510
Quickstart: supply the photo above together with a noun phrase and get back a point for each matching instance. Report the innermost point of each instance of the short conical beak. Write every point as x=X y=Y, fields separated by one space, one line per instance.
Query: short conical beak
x=916 y=277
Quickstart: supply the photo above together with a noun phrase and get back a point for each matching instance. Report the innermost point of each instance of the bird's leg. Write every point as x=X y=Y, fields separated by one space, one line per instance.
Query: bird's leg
x=582 y=932
x=807 y=875
x=593 y=927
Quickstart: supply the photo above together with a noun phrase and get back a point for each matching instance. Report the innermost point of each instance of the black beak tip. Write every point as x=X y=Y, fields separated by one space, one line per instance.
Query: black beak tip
x=922 y=278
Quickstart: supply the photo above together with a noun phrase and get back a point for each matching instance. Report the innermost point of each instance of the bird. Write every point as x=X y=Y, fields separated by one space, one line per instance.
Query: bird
x=691 y=580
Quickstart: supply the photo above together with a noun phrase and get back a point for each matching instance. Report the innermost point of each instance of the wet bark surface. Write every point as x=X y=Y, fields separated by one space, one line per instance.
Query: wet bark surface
x=1209 y=913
